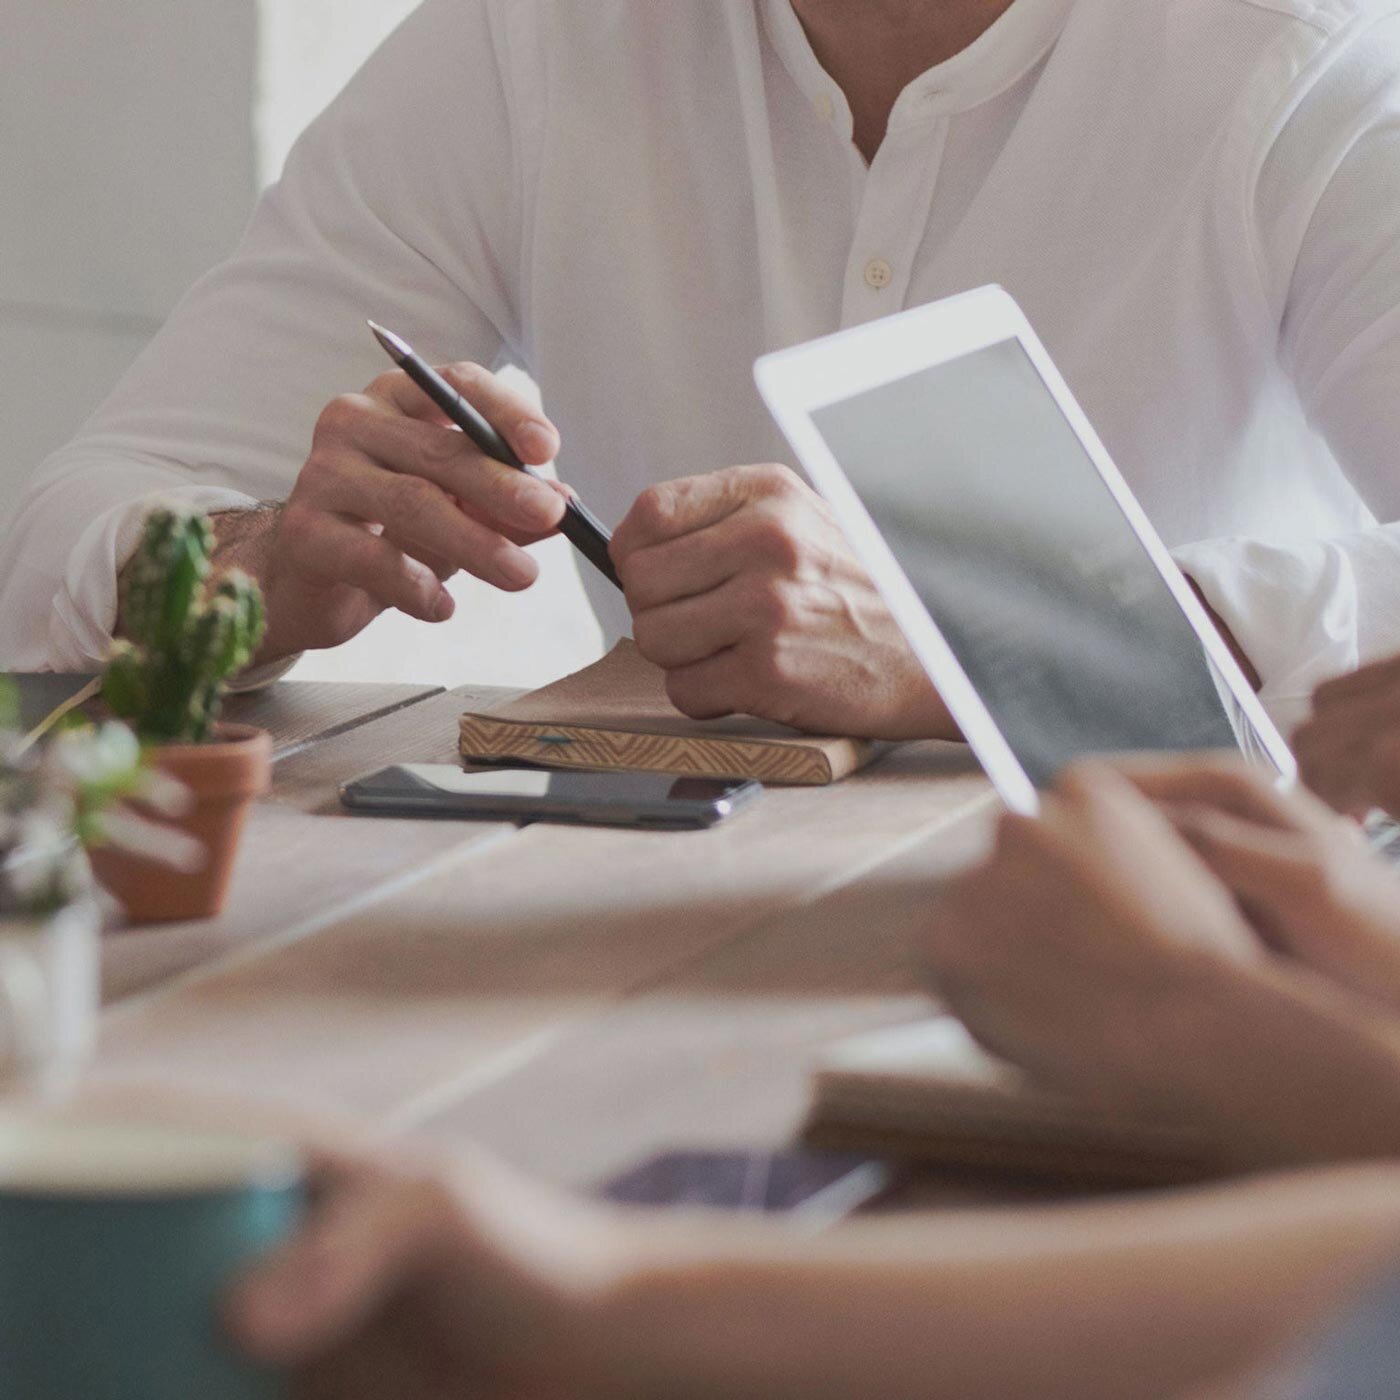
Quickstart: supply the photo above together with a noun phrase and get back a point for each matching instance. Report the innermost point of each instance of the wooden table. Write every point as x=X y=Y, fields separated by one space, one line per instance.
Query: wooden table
x=574 y=999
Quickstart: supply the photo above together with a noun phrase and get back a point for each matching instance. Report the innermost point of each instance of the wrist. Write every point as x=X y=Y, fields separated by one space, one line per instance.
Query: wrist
x=923 y=715
x=243 y=539
x=1352 y=935
x=573 y=1270
x=1286 y=1068
x=589 y=1360
x=628 y=1312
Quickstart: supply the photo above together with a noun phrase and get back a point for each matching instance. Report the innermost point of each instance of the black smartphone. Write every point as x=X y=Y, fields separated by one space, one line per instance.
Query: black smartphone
x=533 y=794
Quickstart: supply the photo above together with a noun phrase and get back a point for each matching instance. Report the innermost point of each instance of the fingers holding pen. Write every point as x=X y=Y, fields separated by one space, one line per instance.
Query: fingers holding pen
x=534 y=438
x=331 y=551
x=388 y=458
x=407 y=447
x=393 y=500
x=421 y=516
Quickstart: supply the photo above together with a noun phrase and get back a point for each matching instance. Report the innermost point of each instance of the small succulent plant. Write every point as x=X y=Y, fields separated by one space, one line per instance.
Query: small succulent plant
x=184 y=636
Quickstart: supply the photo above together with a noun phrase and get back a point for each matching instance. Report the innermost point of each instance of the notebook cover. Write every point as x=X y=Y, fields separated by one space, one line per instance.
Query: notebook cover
x=928 y=1091
x=615 y=715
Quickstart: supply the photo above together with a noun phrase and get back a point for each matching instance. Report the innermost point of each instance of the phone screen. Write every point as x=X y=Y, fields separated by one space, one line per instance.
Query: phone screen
x=798 y=1180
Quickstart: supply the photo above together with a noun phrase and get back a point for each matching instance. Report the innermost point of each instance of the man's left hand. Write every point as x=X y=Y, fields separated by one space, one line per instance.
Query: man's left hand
x=744 y=591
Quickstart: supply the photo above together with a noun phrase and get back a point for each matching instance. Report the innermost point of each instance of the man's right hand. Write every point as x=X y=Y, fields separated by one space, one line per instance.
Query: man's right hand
x=393 y=501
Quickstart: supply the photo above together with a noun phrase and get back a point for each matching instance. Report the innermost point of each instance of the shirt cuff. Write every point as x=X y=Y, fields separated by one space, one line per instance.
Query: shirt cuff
x=84 y=614
x=1292 y=608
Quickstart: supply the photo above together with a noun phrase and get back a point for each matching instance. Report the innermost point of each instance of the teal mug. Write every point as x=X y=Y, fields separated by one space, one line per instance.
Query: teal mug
x=116 y=1246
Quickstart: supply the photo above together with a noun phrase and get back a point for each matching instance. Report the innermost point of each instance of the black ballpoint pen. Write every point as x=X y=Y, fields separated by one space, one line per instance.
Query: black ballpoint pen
x=579 y=526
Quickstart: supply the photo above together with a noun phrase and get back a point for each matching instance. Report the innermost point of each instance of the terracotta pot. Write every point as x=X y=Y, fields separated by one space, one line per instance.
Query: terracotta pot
x=223 y=777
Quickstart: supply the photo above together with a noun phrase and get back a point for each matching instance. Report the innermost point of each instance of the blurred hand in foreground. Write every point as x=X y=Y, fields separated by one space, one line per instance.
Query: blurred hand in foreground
x=1306 y=880
x=424 y=1287
x=1175 y=938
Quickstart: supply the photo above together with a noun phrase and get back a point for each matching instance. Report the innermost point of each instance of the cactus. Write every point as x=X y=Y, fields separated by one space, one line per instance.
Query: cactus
x=184 y=638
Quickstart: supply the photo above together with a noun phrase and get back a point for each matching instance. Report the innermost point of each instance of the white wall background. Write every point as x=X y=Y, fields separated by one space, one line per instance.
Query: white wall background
x=306 y=51
x=134 y=135
x=124 y=172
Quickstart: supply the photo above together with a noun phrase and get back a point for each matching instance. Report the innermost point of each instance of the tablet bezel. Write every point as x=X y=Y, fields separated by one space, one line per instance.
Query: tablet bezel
x=799 y=381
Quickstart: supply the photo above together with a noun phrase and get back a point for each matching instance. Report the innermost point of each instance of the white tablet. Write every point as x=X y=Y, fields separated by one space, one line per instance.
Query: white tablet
x=1007 y=545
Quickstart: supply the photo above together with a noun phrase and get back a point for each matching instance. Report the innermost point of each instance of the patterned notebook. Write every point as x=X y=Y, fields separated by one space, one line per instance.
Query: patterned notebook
x=615 y=715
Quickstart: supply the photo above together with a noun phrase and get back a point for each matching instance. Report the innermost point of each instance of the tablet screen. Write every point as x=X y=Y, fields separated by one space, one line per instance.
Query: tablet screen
x=1050 y=602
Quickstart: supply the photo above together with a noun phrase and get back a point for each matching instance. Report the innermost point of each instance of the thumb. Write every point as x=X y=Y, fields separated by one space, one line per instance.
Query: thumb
x=362 y=1245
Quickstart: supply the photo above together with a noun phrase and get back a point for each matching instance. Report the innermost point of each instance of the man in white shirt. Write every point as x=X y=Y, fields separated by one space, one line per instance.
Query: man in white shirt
x=1196 y=203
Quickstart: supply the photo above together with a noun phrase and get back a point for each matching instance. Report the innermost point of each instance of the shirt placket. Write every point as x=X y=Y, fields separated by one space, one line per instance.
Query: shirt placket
x=892 y=219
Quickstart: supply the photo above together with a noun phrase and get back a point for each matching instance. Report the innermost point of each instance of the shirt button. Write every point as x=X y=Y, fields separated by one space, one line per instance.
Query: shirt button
x=826 y=107
x=878 y=274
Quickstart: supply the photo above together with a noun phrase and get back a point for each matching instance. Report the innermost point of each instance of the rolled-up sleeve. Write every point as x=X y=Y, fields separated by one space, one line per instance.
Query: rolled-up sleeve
x=1293 y=609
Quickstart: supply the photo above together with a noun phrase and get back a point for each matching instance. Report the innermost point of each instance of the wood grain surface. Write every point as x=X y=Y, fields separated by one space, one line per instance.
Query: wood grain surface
x=573 y=998
x=298 y=713
x=564 y=956
x=303 y=862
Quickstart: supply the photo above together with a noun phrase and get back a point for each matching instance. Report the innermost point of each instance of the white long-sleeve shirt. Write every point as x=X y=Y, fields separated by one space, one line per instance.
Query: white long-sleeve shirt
x=1196 y=201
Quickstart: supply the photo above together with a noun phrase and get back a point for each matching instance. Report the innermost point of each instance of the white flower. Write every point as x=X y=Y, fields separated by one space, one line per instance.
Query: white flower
x=153 y=840
x=164 y=794
x=96 y=755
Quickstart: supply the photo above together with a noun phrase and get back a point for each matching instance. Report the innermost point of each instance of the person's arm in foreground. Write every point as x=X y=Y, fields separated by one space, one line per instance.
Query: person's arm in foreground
x=1217 y=952
x=379 y=213
x=489 y=1288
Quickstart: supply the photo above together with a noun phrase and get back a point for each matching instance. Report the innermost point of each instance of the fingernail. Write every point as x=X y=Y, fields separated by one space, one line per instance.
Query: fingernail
x=537 y=443
x=540 y=506
x=517 y=569
x=444 y=606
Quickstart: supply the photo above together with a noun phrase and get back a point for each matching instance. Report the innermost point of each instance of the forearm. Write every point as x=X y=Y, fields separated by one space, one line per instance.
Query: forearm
x=1283 y=1065
x=1121 y=1300
x=243 y=539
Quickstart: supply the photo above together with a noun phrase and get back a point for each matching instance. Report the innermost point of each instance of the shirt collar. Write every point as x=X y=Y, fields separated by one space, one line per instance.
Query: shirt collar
x=998 y=58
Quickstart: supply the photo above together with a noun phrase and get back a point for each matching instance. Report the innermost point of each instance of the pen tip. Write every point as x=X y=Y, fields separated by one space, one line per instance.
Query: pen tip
x=397 y=347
